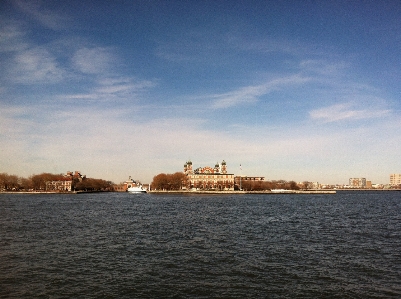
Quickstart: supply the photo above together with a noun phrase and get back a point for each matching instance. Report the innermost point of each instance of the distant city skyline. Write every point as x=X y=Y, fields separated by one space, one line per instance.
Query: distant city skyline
x=293 y=90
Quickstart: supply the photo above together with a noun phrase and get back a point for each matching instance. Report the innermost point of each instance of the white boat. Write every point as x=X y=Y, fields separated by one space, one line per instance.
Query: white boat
x=134 y=187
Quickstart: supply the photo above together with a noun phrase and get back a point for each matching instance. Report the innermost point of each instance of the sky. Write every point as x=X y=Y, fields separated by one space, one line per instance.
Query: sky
x=292 y=90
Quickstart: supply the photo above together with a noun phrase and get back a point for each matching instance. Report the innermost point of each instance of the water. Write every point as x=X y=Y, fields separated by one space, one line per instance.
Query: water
x=118 y=245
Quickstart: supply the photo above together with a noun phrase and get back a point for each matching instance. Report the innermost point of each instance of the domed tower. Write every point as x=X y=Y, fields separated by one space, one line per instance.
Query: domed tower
x=188 y=167
x=223 y=167
x=216 y=168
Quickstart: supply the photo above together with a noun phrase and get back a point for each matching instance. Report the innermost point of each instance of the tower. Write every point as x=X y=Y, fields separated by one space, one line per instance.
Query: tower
x=223 y=167
x=188 y=168
x=216 y=168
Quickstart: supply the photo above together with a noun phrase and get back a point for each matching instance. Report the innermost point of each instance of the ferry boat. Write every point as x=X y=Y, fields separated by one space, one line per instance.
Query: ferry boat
x=134 y=187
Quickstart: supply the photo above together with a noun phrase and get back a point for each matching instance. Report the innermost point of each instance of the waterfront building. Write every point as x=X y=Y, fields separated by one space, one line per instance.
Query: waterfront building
x=66 y=182
x=357 y=182
x=76 y=175
x=208 y=178
x=120 y=187
x=60 y=185
x=249 y=178
x=395 y=179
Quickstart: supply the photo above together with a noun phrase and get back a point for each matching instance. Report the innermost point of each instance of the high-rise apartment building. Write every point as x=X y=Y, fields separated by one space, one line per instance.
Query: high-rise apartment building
x=395 y=179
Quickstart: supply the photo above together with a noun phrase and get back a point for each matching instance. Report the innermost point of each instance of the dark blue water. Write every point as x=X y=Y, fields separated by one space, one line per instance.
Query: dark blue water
x=116 y=245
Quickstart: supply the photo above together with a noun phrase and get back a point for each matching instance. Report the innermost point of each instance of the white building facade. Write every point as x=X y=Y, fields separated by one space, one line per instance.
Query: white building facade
x=395 y=179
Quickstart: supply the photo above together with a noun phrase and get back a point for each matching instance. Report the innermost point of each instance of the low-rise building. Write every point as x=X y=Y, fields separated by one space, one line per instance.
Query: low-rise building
x=357 y=182
x=66 y=182
x=61 y=185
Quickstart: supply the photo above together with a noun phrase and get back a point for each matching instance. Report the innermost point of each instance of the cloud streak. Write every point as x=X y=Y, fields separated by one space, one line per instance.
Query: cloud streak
x=346 y=111
x=115 y=90
x=46 y=17
x=251 y=94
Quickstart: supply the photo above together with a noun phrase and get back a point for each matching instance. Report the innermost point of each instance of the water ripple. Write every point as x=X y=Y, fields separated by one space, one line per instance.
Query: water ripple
x=153 y=246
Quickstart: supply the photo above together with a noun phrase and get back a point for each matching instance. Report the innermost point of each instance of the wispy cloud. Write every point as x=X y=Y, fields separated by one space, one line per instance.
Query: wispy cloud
x=12 y=38
x=322 y=67
x=346 y=111
x=66 y=93
x=250 y=94
x=35 y=65
x=95 y=60
x=46 y=17
x=122 y=85
x=266 y=45
x=116 y=89
x=25 y=62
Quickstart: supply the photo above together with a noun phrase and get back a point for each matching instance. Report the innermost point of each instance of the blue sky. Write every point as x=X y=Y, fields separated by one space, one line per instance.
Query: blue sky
x=294 y=90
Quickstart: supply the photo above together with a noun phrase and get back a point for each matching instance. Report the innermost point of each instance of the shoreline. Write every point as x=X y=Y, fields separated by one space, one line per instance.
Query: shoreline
x=320 y=191
x=52 y=192
x=244 y=192
x=327 y=191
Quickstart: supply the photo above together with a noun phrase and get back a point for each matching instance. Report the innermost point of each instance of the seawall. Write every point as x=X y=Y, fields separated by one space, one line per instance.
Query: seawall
x=243 y=192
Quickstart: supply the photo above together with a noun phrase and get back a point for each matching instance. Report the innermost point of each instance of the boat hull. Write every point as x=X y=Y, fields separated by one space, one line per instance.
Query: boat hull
x=136 y=190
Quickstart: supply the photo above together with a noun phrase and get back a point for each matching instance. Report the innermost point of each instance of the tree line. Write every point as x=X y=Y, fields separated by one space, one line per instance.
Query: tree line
x=162 y=181
x=268 y=185
x=38 y=182
x=169 y=182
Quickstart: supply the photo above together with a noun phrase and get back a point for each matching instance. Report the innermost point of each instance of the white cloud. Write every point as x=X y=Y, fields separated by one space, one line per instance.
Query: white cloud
x=34 y=140
x=250 y=94
x=11 y=37
x=113 y=140
x=244 y=95
x=321 y=67
x=96 y=60
x=24 y=62
x=46 y=17
x=116 y=89
x=34 y=66
x=346 y=111
x=122 y=85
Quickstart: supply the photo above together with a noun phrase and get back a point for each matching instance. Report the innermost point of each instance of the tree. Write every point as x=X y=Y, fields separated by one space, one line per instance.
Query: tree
x=39 y=180
x=9 y=182
x=173 y=181
x=90 y=184
x=177 y=180
x=160 y=182
x=293 y=185
x=25 y=183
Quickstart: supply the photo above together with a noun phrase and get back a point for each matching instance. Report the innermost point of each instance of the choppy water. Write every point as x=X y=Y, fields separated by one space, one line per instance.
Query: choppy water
x=115 y=245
